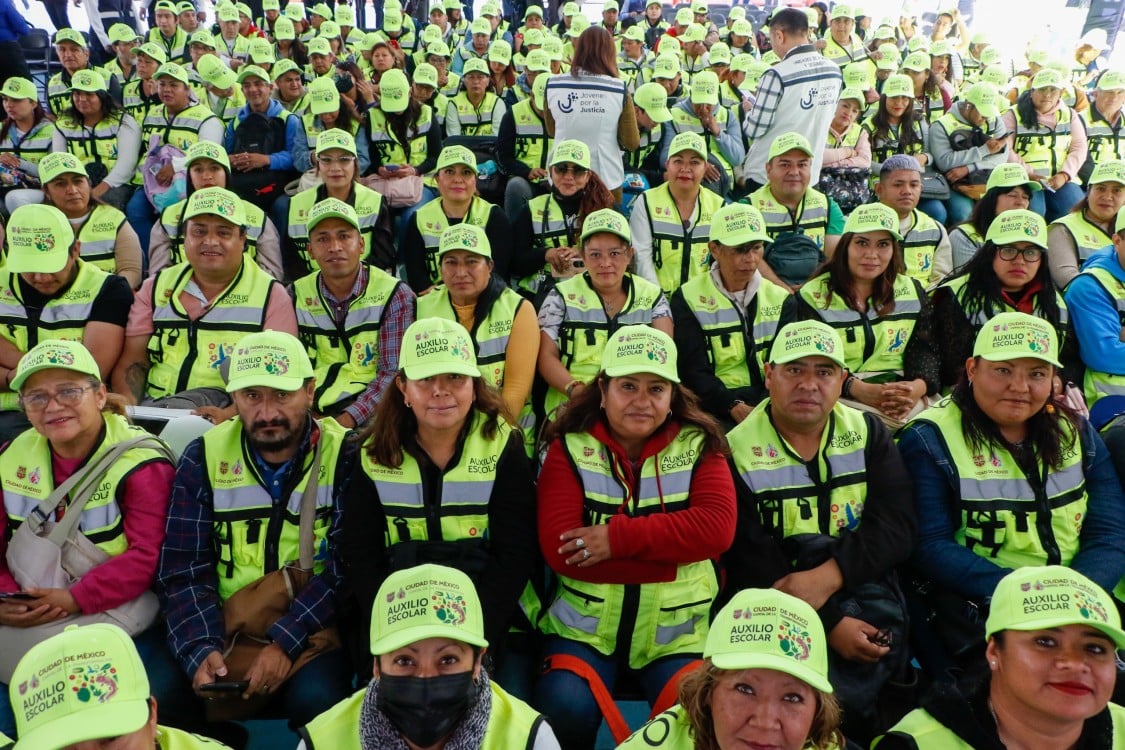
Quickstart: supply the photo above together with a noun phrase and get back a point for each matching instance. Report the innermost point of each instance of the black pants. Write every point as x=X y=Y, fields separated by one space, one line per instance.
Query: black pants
x=56 y=11
x=13 y=64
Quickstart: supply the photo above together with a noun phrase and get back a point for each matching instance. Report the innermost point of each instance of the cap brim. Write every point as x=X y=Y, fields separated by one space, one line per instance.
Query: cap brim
x=687 y=148
x=788 y=665
x=49 y=262
x=1117 y=635
x=289 y=383
x=783 y=360
x=604 y=230
x=618 y=371
x=741 y=238
x=109 y=720
x=19 y=380
x=332 y=215
x=421 y=371
x=406 y=637
x=1006 y=357
x=659 y=114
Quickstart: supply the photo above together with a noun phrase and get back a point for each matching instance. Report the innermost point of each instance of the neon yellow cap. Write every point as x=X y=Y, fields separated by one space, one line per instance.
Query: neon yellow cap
x=640 y=349
x=571 y=152
x=216 y=201
x=737 y=224
x=39 y=239
x=606 y=220
x=873 y=217
x=807 y=338
x=426 y=601
x=331 y=208
x=269 y=359
x=1019 y=225
x=467 y=237
x=1015 y=335
x=1051 y=596
x=435 y=346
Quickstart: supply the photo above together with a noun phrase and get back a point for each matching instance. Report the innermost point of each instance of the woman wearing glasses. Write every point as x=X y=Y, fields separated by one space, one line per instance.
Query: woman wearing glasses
x=1009 y=273
x=109 y=558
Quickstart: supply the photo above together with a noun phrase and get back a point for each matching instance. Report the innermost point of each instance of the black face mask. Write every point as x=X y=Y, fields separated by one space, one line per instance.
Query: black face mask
x=425 y=709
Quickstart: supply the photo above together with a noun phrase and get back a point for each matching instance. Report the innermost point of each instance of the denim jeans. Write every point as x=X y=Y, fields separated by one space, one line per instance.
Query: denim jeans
x=319 y=685
x=959 y=207
x=1052 y=205
x=142 y=217
x=566 y=698
x=934 y=208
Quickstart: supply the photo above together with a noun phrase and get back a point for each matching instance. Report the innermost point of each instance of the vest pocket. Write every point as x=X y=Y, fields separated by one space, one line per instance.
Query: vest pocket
x=685 y=606
x=985 y=529
x=248 y=543
x=577 y=612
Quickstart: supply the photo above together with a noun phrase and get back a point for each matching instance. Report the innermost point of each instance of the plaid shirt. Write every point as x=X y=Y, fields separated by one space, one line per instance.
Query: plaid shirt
x=760 y=118
x=187 y=578
x=398 y=316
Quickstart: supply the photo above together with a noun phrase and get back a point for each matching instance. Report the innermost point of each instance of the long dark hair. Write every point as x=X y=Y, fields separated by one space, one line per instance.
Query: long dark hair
x=909 y=132
x=1045 y=431
x=982 y=288
x=594 y=197
x=405 y=123
x=584 y=411
x=984 y=213
x=346 y=119
x=37 y=116
x=840 y=280
x=110 y=109
x=394 y=424
x=1025 y=110
x=594 y=53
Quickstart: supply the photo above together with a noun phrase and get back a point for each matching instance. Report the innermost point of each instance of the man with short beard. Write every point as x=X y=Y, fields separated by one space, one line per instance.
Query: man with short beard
x=239 y=496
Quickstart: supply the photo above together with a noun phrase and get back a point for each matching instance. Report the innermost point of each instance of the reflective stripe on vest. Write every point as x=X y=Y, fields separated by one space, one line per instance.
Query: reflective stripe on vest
x=182 y=131
x=551 y=228
x=98 y=237
x=919 y=245
x=345 y=356
x=466 y=489
x=1043 y=149
x=679 y=254
x=432 y=221
x=789 y=500
x=366 y=202
x=883 y=148
x=872 y=343
x=1103 y=140
x=475 y=120
x=650 y=140
x=385 y=143
x=811 y=218
x=1004 y=517
x=727 y=332
x=190 y=354
x=532 y=142
x=33 y=146
x=92 y=145
x=1088 y=237
x=27 y=480
x=245 y=525
x=979 y=317
x=667 y=618
x=585 y=328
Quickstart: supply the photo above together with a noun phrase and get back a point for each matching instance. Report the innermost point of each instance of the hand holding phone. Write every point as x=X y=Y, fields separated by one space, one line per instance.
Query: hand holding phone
x=16 y=596
x=220 y=689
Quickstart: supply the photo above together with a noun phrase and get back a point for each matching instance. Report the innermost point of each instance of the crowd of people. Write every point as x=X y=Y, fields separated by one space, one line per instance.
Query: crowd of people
x=773 y=373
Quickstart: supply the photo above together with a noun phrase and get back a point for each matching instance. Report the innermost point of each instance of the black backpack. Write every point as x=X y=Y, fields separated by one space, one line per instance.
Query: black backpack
x=794 y=256
x=259 y=134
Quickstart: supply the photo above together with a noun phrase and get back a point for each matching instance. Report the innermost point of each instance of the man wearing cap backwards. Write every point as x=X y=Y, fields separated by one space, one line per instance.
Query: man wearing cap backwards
x=262 y=140
x=1103 y=120
x=725 y=319
x=351 y=317
x=670 y=223
x=428 y=688
x=1051 y=637
x=701 y=113
x=179 y=123
x=788 y=202
x=756 y=687
x=186 y=321
x=87 y=687
x=969 y=139
x=925 y=244
x=234 y=517
x=824 y=509
x=74 y=55
x=798 y=95
x=166 y=33
x=50 y=293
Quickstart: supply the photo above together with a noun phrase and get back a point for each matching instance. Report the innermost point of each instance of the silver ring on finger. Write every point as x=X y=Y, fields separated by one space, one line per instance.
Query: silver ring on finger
x=265 y=688
x=579 y=542
x=585 y=554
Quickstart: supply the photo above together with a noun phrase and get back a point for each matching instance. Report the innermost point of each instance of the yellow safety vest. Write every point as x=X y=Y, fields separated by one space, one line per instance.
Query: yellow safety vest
x=175 y=47
x=92 y=145
x=850 y=139
x=811 y=219
x=98 y=237
x=135 y=103
x=1044 y=149
x=512 y=724
x=585 y=328
x=660 y=619
x=1088 y=237
x=927 y=732
x=432 y=221
x=551 y=228
x=475 y=120
x=532 y=142
x=466 y=489
x=58 y=90
x=730 y=335
x=1002 y=516
x=1103 y=141
x=650 y=140
x=172 y=222
x=366 y=202
x=182 y=131
x=919 y=245
x=685 y=121
x=669 y=730
x=679 y=254
x=27 y=480
x=882 y=149
x=386 y=144
x=251 y=538
x=956 y=286
x=844 y=56
x=789 y=500
x=62 y=318
x=33 y=146
x=873 y=345
x=345 y=356
x=189 y=353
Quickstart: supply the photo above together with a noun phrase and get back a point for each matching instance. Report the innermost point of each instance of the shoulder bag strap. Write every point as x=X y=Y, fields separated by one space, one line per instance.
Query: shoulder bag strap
x=308 y=510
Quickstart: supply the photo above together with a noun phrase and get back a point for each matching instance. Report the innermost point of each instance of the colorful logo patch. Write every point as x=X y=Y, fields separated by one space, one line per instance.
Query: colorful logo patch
x=94 y=682
x=449 y=608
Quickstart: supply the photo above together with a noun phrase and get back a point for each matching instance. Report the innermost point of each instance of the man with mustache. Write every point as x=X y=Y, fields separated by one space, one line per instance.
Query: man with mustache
x=245 y=507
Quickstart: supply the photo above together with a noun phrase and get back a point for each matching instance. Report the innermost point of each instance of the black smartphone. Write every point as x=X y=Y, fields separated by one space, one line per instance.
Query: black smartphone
x=224 y=688
x=18 y=596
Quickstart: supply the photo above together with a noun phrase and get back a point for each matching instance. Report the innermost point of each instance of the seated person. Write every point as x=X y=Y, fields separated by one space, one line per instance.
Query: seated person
x=250 y=497
x=1005 y=477
x=824 y=514
x=185 y=321
x=721 y=130
x=262 y=141
x=1008 y=189
x=725 y=319
x=50 y=293
x=790 y=206
x=925 y=245
x=351 y=316
x=522 y=149
x=1088 y=227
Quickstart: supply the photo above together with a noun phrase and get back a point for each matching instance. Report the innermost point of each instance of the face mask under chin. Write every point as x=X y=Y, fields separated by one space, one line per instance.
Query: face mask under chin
x=426 y=709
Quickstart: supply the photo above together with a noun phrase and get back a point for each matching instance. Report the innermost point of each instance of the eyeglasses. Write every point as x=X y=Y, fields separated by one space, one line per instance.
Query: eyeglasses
x=574 y=169
x=1009 y=252
x=38 y=400
x=328 y=161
